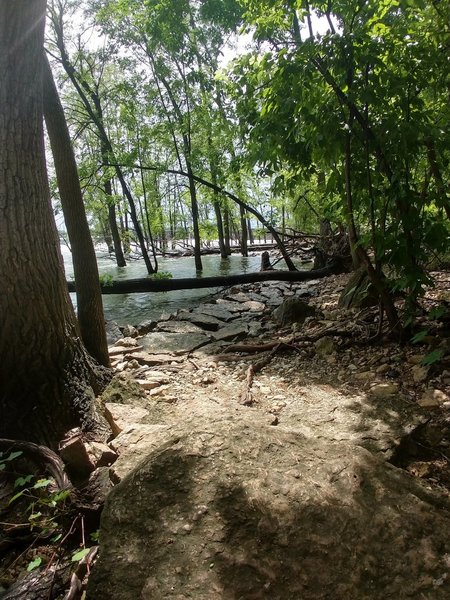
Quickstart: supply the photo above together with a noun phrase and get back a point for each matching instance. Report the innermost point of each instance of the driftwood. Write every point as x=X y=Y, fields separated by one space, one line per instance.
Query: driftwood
x=129 y=286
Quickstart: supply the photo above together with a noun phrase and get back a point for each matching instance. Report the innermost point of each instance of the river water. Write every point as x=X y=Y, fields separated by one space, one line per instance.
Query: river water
x=136 y=308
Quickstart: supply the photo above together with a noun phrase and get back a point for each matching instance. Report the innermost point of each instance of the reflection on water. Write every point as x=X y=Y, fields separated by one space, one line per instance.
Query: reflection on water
x=136 y=308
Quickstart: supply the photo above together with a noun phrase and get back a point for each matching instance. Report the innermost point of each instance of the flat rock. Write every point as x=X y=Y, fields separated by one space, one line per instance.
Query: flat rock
x=215 y=310
x=150 y=359
x=238 y=297
x=232 y=307
x=239 y=510
x=229 y=332
x=178 y=327
x=120 y=416
x=132 y=445
x=203 y=321
x=432 y=398
x=384 y=390
x=178 y=343
x=253 y=306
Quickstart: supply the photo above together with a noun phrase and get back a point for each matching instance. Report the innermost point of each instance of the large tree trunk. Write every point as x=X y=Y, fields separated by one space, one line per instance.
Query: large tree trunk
x=89 y=299
x=45 y=371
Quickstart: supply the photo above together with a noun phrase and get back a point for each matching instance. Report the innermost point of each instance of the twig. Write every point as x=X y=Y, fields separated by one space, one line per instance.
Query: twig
x=83 y=569
x=247 y=396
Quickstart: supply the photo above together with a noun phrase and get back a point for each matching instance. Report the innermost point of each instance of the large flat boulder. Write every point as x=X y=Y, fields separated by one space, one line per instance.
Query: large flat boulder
x=234 y=509
x=178 y=343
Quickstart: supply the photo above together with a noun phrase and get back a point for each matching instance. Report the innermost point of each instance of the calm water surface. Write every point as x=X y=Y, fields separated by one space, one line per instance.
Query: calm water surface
x=136 y=308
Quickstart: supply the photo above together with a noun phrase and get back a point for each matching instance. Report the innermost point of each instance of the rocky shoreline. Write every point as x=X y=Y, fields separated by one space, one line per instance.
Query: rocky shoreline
x=292 y=494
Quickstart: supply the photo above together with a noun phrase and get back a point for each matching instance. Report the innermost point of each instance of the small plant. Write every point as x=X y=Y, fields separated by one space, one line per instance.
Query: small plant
x=106 y=280
x=161 y=275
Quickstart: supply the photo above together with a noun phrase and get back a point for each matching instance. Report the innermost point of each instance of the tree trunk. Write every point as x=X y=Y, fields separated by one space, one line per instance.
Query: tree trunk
x=131 y=286
x=194 y=208
x=89 y=299
x=118 y=251
x=226 y=228
x=45 y=372
x=244 y=233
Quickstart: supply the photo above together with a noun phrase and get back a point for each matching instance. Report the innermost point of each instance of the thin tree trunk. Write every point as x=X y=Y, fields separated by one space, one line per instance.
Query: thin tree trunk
x=244 y=233
x=118 y=250
x=89 y=299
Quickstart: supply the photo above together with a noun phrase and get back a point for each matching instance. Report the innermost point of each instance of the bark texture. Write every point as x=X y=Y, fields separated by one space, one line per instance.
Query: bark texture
x=45 y=372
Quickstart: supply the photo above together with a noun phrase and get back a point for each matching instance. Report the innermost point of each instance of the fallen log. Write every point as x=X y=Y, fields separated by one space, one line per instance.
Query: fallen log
x=130 y=286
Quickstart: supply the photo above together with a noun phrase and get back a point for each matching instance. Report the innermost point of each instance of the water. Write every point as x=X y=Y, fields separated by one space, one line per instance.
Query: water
x=136 y=308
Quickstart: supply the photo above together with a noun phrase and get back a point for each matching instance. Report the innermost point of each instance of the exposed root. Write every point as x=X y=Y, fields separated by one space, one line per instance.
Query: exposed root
x=42 y=456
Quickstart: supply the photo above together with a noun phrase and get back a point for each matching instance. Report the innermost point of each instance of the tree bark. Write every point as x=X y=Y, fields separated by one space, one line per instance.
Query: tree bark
x=118 y=251
x=45 y=372
x=89 y=299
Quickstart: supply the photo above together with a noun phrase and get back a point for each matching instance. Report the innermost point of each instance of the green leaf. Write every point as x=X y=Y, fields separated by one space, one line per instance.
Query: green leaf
x=41 y=483
x=18 y=495
x=80 y=554
x=419 y=336
x=34 y=516
x=13 y=455
x=432 y=357
x=36 y=562
x=437 y=312
x=22 y=481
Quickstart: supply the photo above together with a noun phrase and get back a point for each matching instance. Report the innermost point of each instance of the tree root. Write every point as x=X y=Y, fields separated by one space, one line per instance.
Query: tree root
x=43 y=457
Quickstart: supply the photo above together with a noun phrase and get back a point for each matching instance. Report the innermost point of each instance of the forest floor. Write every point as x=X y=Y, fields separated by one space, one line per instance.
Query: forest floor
x=233 y=367
x=325 y=374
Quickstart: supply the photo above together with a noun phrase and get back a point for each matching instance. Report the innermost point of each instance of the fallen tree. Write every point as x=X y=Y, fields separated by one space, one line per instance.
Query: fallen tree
x=130 y=286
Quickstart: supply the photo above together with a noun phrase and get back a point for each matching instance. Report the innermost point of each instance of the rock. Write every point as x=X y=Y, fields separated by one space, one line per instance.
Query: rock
x=432 y=398
x=383 y=368
x=203 y=321
x=242 y=510
x=152 y=384
x=229 y=332
x=127 y=342
x=214 y=310
x=74 y=453
x=178 y=327
x=145 y=358
x=238 y=297
x=178 y=343
x=102 y=455
x=119 y=416
x=130 y=332
x=133 y=444
x=123 y=389
x=232 y=307
x=292 y=310
x=384 y=390
x=419 y=373
x=325 y=346
x=364 y=376
x=253 y=306
x=113 y=332
x=115 y=350
x=146 y=327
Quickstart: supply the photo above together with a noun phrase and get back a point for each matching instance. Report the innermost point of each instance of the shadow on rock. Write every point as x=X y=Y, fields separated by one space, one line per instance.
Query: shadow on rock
x=240 y=511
